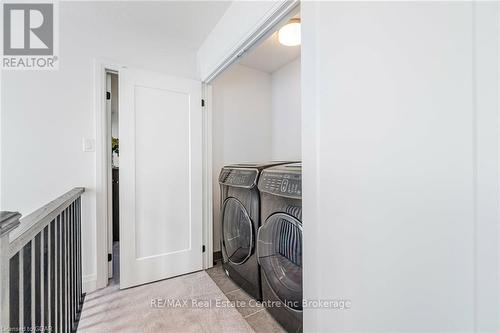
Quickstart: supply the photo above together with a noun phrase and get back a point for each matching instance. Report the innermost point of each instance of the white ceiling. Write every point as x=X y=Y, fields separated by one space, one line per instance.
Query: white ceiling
x=270 y=55
x=183 y=24
x=162 y=36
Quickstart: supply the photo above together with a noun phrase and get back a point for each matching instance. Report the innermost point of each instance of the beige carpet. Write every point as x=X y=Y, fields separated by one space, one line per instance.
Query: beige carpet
x=130 y=310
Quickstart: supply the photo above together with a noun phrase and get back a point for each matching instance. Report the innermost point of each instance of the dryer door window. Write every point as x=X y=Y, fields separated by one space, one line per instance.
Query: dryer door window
x=237 y=229
x=279 y=252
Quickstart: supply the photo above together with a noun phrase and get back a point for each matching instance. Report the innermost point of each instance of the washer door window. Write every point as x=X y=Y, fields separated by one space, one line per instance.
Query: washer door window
x=279 y=252
x=237 y=231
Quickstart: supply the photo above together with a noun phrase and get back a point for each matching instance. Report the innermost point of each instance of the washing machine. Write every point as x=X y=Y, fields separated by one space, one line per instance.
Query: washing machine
x=240 y=220
x=279 y=243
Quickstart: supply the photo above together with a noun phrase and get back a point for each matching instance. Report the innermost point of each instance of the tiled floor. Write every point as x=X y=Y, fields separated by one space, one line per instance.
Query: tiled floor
x=256 y=316
x=114 y=310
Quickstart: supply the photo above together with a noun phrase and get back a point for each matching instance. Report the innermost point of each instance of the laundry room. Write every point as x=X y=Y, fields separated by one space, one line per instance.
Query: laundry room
x=256 y=175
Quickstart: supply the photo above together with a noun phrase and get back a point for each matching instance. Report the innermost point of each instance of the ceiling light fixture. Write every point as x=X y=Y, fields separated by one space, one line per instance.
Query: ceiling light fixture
x=289 y=34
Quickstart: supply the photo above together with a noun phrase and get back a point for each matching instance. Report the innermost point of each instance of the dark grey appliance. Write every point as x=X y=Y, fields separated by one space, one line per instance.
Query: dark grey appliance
x=279 y=243
x=240 y=220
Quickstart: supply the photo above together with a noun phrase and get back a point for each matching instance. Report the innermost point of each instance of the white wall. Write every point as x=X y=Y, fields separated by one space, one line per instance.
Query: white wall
x=487 y=182
x=241 y=125
x=45 y=115
x=286 y=107
x=400 y=130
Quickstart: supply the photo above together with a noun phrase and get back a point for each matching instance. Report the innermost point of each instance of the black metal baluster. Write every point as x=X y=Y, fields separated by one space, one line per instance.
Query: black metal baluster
x=68 y=276
x=14 y=276
x=66 y=232
x=53 y=286
x=46 y=276
x=64 y=316
x=73 y=266
x=60 y=277
x=75 y=272
x=27 y=286
x=37 y=291
x=68 y=270
x=80 y=277
x=70 y=303
x=54 y=269
x=71 y=296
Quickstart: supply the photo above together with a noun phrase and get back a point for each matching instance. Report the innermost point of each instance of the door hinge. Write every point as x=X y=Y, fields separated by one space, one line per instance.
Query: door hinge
x=110 y=257
x=202 y=102
x=203 y=249
x=108 y=95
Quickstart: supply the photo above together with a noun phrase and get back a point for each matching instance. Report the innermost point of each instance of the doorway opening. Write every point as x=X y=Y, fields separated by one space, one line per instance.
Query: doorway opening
x=256 y=155
x=256 y=111
x=113 y=167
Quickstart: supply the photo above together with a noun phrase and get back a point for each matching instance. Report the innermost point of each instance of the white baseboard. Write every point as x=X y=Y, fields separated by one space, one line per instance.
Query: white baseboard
x=89 y=283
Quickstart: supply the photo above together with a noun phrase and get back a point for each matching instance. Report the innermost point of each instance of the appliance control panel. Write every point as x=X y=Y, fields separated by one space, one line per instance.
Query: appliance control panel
x=246 y=178
x=285 y=184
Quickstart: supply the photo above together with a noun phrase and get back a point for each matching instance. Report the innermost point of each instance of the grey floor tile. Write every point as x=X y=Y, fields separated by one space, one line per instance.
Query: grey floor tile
x=221 y=279
x=216 y=270
x=244 y=303
x=129 y=310
x=256 y=315
x=262 y=321
x=225 y=284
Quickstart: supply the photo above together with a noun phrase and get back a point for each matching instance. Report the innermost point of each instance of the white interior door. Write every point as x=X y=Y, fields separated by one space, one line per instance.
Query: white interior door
x=160 y=177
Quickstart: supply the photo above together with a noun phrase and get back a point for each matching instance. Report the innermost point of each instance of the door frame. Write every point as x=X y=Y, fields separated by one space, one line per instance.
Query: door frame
x=109 y=174
x=103 y=181
x=207 y=196
x=269 y=23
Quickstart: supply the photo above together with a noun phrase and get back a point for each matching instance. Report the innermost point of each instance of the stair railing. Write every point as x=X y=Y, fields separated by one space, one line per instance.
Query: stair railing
x=41 y=267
